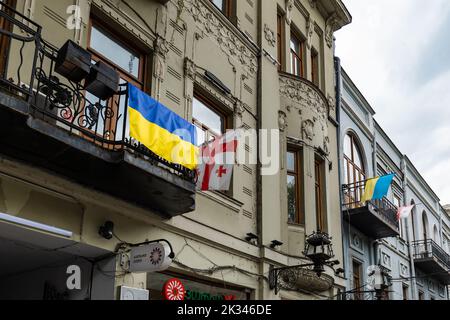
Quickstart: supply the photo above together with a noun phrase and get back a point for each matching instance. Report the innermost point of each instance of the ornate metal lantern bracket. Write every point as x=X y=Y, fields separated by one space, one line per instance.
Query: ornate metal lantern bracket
x=319 y=250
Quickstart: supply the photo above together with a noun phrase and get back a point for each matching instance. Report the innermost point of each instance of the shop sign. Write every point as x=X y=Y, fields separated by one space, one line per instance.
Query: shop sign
x=174 y=290
x=152 y=257
x=199 y=296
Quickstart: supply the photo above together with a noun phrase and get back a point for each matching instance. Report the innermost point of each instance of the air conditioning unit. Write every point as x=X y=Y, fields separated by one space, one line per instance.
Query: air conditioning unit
x=134 y=294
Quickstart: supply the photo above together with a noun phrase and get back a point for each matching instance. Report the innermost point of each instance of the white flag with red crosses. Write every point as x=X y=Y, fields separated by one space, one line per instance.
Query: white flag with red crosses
x=217 y=160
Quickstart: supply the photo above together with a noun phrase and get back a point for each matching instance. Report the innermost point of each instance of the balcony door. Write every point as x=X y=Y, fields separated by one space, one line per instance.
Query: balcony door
x=353 y=170
x=5 y=40
x=129 y=62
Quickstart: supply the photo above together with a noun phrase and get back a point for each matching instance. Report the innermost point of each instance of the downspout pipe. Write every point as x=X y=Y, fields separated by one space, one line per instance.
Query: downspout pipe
x=338 y=72
x=415 y=294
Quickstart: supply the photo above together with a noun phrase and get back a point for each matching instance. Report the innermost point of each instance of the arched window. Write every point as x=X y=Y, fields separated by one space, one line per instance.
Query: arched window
x=425 y=226
x=413 y=217
x=353 y=160
x=353 y=166
x=436 y=234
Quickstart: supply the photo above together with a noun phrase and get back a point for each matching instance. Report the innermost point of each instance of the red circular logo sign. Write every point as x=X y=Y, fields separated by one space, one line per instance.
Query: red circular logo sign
x=174 y=290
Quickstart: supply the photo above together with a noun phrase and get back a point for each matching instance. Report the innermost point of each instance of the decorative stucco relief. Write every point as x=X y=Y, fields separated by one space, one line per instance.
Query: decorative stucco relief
x=310 y=32
x=308 y=130
x=307 y=107
x=306 y=96
x=282 y=121
x=289 y=7
x=270 y=35
x=161 y=50
x=216 y=29
x=331 y=25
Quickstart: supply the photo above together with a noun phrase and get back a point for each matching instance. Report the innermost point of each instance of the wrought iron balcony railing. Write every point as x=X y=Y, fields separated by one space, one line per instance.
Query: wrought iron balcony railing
x=27 y=70
x=384 y=209
x=430 y=250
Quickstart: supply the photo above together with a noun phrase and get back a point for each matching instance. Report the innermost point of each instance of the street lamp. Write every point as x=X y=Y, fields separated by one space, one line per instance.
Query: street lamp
x=318 y=249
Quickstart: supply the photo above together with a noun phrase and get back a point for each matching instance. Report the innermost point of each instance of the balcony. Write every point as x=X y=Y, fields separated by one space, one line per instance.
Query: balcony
x=376 y=219
x=52 y=123
x=432 y=259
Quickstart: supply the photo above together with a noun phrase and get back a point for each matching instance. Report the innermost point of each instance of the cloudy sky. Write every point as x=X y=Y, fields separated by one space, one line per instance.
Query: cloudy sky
x=398 y=54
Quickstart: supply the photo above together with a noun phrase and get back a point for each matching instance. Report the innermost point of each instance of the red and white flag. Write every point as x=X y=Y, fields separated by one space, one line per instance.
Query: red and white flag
x=404 y=212
x=217 y=160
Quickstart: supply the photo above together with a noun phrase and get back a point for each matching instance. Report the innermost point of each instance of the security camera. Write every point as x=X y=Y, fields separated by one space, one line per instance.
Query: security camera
x=107 y=230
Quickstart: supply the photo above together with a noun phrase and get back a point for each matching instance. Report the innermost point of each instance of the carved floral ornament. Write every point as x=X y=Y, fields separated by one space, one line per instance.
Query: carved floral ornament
x=305 y=96
x=214 y=28
x=270 y=35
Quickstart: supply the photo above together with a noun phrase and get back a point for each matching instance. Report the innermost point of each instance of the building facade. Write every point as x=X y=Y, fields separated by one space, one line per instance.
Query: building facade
x=68 y=165
x=414 y=252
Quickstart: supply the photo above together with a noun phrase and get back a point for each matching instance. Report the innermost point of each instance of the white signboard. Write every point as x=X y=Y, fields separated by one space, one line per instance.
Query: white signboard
x=134 y=294
x=150 y=258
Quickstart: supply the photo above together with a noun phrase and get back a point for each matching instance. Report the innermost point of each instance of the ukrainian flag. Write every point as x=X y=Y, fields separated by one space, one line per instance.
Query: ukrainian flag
x=377 y=188
x=161 y=130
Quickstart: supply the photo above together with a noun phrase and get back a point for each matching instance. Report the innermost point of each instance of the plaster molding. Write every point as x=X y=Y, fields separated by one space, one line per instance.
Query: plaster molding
x=270 y=35
x=231 y=43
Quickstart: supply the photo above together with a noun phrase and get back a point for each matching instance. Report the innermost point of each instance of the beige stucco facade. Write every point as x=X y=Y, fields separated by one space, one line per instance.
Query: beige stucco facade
x=183 y=39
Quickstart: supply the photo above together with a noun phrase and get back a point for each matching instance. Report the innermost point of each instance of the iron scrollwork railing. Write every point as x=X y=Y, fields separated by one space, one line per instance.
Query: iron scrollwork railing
x=301 y=278
x=428 y=249
x=64 y=103
x=385 y=209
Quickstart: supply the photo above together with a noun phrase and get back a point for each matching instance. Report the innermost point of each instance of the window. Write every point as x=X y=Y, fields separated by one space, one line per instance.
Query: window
x=424 y=226
x=421 y=296
x=357 y=280
x=413 y=217
x=294 y=187
x=319 y=192
x=280 y=41
x=436 y=234
x=398 y=204
x=210 y=123
x=297 y=49
x=405 y=292
x=129 y=62
x=226 y=6
x=353 y=168
x=5 y=40
x=315 y=67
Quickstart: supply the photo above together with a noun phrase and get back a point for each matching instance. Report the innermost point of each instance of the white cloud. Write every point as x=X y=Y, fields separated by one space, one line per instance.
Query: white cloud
x=388 y=52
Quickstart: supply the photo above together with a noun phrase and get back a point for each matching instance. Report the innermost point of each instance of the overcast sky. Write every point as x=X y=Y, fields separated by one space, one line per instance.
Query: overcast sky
x=398 y=54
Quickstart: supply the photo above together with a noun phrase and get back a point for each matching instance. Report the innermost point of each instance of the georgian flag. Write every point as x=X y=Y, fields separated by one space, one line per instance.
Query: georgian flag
x=404 y=212
x=217 y=160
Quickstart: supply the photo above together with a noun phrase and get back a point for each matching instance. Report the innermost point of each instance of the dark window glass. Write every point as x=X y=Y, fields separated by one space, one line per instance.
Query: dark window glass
x=294 y=187
x=296 y=56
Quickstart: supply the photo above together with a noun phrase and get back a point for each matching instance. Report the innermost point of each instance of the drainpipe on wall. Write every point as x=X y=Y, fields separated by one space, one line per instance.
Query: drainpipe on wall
x=441 y=235
x=259 y=210
x=338 y=71
x=408 y=238
x=375 y=244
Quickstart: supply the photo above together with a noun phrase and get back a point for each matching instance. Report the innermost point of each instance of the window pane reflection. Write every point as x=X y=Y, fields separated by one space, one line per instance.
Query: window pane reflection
x=292 y=198
x=115 y=52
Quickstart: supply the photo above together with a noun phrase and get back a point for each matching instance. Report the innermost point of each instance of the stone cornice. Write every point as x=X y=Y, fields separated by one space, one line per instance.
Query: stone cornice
x=334 y=11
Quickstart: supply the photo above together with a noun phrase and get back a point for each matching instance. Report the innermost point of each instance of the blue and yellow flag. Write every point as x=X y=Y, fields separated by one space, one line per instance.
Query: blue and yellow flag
x=377 y=188
x=161 y=130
